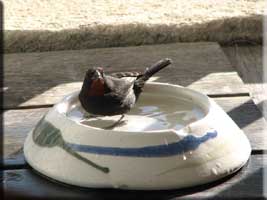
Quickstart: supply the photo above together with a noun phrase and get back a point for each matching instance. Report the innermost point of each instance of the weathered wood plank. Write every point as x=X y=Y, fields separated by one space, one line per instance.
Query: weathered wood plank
x=246 y=184
x=248 y=117
x=248 y=61
x=43 y=78
x=19 y=122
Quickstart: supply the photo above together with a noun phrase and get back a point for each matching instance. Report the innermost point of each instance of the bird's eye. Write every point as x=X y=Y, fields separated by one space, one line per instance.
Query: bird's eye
x=90 y=72
x=100 y=70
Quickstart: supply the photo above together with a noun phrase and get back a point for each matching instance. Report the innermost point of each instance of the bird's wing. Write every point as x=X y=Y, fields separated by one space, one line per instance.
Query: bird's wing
x=118 y=86
x=126 y=74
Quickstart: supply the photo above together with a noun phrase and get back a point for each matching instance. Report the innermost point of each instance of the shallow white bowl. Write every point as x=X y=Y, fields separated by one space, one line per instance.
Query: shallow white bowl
x=132 y=156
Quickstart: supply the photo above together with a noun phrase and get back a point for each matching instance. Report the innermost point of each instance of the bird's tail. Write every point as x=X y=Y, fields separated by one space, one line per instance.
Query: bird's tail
x=140 y=81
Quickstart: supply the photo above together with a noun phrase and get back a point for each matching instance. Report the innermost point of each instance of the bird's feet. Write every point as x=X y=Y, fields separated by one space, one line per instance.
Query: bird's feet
x=88 y=116
x=117 y=123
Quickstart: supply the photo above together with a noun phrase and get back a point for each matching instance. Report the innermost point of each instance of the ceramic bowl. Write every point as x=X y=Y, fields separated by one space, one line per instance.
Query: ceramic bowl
x=175 y=137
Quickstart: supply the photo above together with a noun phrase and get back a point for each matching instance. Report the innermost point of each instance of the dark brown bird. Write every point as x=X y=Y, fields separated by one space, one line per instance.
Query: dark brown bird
x=108 y=95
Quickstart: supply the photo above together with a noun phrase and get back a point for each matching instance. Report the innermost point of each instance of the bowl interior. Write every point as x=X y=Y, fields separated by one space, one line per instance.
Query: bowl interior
x=160 y=107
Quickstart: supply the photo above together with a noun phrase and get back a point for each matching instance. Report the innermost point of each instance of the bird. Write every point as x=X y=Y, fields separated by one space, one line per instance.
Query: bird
x=108 y=95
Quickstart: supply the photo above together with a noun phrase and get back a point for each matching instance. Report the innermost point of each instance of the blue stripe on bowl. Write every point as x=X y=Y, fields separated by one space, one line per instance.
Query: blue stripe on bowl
x=188 y=143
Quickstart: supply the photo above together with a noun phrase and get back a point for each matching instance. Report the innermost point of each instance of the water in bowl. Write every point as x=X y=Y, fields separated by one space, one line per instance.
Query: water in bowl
x=151 y=112
x=173 y=112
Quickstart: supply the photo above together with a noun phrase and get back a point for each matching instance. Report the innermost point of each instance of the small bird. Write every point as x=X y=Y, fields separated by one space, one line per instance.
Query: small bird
x=109 y=95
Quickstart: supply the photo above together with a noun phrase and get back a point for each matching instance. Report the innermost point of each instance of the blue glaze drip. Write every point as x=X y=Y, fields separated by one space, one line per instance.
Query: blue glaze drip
x=188 y=143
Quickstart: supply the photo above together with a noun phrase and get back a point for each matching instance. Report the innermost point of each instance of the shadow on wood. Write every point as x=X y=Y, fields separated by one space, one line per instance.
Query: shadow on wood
x=14 y=179
x=247 y=182
x=44 y=78
x=242 y=110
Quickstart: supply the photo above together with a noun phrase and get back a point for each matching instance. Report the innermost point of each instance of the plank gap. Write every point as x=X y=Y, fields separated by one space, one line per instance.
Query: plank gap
x=258 y=152
x=8 y=166
x=243 y=94
x=28 y=107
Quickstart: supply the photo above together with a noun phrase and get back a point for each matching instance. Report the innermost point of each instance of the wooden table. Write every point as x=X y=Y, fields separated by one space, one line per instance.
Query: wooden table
x=35 y=81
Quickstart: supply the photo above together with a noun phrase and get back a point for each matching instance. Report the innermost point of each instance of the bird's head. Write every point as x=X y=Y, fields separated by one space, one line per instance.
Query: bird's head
x=95 y=73
x=94 y=81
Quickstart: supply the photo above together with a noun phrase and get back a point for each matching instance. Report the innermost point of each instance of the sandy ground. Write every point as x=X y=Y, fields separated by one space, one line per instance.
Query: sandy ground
x=30 y=20
x=65 y=14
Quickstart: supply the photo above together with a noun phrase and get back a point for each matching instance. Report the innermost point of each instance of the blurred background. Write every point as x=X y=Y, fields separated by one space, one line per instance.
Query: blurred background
x=45 y=25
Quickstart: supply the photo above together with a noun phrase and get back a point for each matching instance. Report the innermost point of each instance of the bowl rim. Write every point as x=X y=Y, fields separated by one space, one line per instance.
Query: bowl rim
x=207 y=109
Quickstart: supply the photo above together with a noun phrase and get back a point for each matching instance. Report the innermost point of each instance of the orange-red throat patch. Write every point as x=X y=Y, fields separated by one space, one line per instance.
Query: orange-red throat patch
x=97 y=88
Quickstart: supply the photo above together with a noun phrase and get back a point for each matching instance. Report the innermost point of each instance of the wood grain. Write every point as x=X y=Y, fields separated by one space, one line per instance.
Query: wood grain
x=44 y=78
x=246 y=184
x=19 y=122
